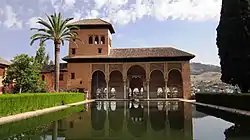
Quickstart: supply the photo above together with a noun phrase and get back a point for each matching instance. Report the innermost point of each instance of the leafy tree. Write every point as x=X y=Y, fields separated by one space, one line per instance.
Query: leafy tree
x=58 y=30
x=233 y=43
x=24 y=72
x=51 y=62
x=41 y=57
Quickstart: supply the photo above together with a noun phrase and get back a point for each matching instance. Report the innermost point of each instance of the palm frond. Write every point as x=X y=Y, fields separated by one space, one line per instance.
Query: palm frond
x=42 y=39
x=43 y=30
x=51 y=22
x=70 y=40
x=44 y=23
x=64 y=24
x=40 y=35
x=56 y=29
x=72 y=27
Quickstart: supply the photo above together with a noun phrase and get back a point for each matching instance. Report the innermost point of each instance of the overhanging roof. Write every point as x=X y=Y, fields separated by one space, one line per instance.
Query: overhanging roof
x=4 y=62
x=88 y=23
x=135 y=55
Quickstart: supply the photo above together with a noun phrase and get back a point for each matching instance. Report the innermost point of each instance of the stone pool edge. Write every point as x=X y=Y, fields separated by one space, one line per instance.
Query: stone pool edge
x=30 y=114
x=228 y=109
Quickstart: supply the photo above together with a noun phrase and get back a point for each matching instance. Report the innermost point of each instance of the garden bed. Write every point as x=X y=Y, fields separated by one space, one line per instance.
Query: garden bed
x=11 y=104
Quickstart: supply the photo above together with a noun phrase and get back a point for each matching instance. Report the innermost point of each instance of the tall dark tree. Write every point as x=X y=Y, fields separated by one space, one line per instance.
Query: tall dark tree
x=233 y=43
x=42 y=57
x=57 y=29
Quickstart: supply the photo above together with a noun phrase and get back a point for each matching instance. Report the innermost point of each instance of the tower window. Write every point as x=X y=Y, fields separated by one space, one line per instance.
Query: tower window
x=72 y=75
x=96 y=40
x=99 y=50
x=73 y=51
x=43 y=77
x=61 y=77
x=102 y=39
x=90 y=40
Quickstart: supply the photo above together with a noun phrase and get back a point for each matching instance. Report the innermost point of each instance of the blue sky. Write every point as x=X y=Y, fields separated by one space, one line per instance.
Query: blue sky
x=189 y=25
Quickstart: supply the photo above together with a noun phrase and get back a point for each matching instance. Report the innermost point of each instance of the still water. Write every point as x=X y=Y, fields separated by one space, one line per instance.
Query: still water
x=131 y=121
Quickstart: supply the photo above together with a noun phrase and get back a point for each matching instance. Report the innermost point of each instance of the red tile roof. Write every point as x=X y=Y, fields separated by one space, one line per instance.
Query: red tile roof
x=93 y=22
x=4 y=62
x=140 y=53
x=147 y=52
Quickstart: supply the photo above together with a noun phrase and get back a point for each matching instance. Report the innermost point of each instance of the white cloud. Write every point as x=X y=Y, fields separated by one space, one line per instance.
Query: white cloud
x=122 y=12
x=10 y=18
x=127 y=11
x=117 y=11
x=68 y=4
x=92 y=14
x=32 y=22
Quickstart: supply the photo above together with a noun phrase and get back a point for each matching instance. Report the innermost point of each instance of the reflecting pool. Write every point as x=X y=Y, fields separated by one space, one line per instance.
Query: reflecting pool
x=104 y=120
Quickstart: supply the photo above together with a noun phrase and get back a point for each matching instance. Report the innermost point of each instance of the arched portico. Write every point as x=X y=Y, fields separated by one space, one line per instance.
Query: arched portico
x=150 y=77
x=156 y=81
x=175 y=83
x=116 y=81
x=98 y=81
x=136 y=76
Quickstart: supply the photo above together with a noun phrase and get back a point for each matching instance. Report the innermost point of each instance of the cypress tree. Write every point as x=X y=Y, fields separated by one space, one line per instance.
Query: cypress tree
x=233 y=43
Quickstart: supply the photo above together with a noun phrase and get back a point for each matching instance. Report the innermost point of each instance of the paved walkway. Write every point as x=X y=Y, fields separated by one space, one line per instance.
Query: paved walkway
x=26 y=115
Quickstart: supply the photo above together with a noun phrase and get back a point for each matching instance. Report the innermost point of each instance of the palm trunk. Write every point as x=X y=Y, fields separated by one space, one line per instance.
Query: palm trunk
x=57 y=66
x=55 y=130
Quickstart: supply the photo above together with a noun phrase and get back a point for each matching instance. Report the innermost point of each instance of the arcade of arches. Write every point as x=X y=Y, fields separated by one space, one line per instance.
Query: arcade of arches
x=147 y=76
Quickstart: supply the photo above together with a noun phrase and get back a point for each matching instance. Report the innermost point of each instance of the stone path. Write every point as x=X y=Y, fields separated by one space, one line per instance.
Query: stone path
x=26 y=115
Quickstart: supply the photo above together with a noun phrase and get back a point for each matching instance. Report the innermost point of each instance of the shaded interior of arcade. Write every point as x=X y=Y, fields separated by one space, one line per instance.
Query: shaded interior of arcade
x=136 y=81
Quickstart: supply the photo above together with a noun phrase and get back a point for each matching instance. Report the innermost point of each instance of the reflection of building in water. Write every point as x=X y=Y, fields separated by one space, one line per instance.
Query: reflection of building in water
x=144 y=121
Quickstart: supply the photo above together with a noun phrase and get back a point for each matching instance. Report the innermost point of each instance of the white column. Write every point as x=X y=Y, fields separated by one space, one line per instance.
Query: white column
x=148 y=90
x=124 y=89
x=166 y=86
x=107 y=94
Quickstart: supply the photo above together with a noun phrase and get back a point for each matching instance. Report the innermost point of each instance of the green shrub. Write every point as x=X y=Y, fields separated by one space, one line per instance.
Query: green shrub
x=32 y=125
x=11 y=104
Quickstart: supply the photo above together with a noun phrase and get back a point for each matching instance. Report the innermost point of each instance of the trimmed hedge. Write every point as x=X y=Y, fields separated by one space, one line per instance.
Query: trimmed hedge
x=237 y=101
x=34 y=125
x=11 y=104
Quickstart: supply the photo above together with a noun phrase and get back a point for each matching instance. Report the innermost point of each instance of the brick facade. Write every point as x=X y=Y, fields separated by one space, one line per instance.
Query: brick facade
x=95 y=53
x=2 y=74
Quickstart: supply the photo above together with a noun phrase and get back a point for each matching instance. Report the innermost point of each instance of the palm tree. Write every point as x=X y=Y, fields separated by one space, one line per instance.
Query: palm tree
x=58 y=30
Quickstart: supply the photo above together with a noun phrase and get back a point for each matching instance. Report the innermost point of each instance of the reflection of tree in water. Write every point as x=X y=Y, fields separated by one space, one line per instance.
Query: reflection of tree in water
x=116 y=118
x=137 y=122
x=36 y=134
x=157 y=117
x=98 y=117
x=176 y=116
x=237 y=132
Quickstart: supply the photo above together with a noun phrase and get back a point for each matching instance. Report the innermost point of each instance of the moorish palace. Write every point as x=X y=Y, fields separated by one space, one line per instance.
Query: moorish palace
x=93 y=63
